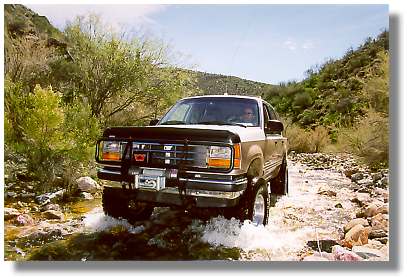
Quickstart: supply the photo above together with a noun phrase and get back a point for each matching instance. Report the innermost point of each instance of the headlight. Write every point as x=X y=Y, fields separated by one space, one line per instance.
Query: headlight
x=220 y=152
x=111 y=150
x=219 y=157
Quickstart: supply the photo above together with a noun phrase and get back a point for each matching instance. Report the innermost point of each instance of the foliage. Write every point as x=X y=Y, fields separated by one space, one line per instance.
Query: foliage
x=369 y=139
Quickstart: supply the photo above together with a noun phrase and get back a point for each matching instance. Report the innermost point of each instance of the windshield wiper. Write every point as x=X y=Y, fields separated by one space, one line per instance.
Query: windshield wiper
x=173 y=122
x=221 y=123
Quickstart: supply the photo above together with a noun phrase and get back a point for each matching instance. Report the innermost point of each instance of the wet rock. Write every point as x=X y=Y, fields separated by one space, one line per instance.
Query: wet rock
x=366 y=252
x=10 y=213
x=356 y=177
x=341 y=254
x=48 y=197
x=51 y=214
x=51 y=206
x=86 y=195
x=354 y=222
x=24 y=219
x=358 y=235
x=324 y=245
x=87 y=184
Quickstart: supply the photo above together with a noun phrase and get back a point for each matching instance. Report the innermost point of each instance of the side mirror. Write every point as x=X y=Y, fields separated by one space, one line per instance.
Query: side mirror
x=153 y=122
x=274 y=127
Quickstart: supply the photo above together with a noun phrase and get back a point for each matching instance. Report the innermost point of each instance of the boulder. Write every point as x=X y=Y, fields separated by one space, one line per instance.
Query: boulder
x=341 y=254
x=24 y=219
x=51 y=214
x=10 y=213
x=87 y=184
x=355 y=222
x=358 y=235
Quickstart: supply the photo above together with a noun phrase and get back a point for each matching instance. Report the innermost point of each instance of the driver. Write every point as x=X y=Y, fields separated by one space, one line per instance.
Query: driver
x=248 y=115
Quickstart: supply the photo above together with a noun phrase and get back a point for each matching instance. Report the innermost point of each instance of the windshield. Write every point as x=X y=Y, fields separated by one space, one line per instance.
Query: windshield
x=213 y=110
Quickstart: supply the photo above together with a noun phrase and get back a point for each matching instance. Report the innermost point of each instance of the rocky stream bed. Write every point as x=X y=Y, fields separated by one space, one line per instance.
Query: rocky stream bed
x=335 y=210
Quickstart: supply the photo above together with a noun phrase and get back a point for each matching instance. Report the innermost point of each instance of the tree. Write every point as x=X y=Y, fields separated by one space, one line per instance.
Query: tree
x=115 y=75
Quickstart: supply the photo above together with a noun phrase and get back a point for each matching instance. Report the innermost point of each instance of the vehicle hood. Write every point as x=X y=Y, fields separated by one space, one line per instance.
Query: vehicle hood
x=213 y=133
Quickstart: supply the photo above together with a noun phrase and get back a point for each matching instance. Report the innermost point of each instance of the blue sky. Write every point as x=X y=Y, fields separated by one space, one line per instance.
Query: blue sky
x=267 y=43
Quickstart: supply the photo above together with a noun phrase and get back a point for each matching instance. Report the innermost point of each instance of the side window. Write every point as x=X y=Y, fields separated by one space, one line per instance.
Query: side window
x=266 y=115
x=272 y=113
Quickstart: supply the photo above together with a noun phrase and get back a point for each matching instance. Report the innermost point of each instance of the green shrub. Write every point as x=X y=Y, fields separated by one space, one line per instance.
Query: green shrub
x=369 y=139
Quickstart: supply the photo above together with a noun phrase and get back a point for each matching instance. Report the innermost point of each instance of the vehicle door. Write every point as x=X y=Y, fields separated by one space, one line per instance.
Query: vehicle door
x=280 y=141
x=271 y=155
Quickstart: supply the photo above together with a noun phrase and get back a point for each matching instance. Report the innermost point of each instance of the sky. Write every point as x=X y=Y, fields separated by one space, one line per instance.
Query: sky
x=267 y=43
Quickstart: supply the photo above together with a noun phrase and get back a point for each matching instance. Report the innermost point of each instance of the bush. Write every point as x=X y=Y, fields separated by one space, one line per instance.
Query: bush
x=298 y=139
x=369 y=139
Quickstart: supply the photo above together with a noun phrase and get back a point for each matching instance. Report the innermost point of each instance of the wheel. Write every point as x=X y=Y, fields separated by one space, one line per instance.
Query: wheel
x=117 y=205
x=259 y=209
x=254 y=205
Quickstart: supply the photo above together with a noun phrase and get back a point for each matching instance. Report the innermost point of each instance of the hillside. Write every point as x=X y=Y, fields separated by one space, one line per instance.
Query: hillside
x=339 y=91
x=210 y=83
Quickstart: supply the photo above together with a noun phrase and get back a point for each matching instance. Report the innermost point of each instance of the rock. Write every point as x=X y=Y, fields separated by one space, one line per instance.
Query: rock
x=24 y=219
x=51 y=206
x=384 y=181
x=27 y=195
x=356 y=177
x=46 y=198
x=10 y=213
x=87 y=184
x=341 y=254
x=319 y=257
x=86 y=195
x=339 y=206
x=11 y=194
x=383 y=209
x=366 y=182
x=349 y=172
x=371 y=210
x=324 y=245
x=376 y=176
x=355 y=222
x=51 y=214
x=380 y=222
x=358 y=235
x=329 y=193
x=366 y=252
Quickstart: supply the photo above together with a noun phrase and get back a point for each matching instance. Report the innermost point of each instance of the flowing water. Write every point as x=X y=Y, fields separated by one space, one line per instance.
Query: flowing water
x=317 y=207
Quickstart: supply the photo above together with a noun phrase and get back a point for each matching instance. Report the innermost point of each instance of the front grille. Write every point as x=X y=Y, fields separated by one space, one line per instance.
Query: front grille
x=163 y=155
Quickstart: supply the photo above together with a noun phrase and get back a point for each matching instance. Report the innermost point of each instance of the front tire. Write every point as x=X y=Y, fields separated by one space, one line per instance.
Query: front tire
x=117 y=204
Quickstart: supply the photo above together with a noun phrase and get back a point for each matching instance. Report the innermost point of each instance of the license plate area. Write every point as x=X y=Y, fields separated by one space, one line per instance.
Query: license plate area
x=150 y=179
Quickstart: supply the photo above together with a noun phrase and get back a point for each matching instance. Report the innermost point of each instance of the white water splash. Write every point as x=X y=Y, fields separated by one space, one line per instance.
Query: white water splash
x=97 y=221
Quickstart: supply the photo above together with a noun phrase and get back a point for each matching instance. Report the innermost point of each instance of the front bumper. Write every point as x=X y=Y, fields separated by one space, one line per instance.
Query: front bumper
x=201 y=190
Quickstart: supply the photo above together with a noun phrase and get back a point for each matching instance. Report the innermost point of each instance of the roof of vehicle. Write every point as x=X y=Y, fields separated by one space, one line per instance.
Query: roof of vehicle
x=225 y=95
